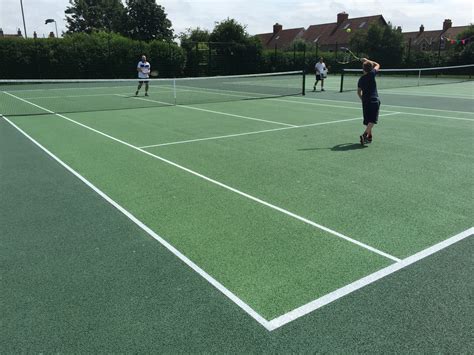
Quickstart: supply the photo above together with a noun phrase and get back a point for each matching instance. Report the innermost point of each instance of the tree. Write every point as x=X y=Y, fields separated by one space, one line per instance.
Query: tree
x=146 y=21
x=91 y=15
x=229 y=30
x=192 y=36
x=383 y=44
x=466 y=50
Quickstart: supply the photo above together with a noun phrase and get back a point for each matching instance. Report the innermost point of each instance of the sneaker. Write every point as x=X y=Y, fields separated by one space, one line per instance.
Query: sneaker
x=364 y=139
x=146 y=94
x=369 y=139
x=322 y=89
x=136 y=93
x=314 y=88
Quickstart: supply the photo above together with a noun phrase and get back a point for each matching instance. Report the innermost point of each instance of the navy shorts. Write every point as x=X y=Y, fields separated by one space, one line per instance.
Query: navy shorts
x=319 y=77
x=143 y=81
x=371 y=111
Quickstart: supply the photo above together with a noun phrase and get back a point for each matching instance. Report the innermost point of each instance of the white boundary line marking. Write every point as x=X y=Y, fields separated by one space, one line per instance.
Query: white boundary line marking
x=382 y=110
x=326 y=105
x=150 y=232
x=285 y=318
x=227 y=187
x=220 y=113
x=257 y=132
x=407 y=107
x=367 y=280
x=448 y=96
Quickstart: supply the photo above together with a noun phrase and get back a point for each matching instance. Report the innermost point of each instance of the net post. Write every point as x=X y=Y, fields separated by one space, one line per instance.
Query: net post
x=304 y=83
x=419 y=77
x=174 y=91
x=341 y=89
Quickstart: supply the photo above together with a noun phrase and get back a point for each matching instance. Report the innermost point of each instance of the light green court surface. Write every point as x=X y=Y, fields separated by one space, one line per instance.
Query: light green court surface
x=259 y=169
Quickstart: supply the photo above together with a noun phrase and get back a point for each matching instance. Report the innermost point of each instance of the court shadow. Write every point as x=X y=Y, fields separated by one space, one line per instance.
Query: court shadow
x=344 y=147
x=347 y=146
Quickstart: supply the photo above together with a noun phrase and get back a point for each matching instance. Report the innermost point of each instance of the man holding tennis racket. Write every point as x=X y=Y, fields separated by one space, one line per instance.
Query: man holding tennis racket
x=367 y=91
x=321 y=73
x=143 y=69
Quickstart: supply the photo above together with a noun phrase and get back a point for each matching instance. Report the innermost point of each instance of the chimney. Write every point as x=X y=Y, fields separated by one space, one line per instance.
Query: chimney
x=35 y=35
x=341 y=17
x=422 y=28
x=447 y=24
x=399 y=29
x=19 y=33
x=51 y=34
x=277 y=28
x=1 y=32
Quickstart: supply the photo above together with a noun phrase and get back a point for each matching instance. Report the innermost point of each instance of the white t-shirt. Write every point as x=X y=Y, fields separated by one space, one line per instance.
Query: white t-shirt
x=144 y=73
x=320 y=68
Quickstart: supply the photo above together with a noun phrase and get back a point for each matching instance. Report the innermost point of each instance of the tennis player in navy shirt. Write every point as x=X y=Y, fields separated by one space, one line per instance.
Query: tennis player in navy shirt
x=367 y=91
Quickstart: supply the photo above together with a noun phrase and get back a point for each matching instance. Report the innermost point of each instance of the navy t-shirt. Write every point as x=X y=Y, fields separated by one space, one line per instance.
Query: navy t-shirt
x=369 y=86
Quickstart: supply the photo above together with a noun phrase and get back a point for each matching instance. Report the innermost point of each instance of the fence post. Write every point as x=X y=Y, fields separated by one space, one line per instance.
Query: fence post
x=409 y=50
x=209 y=57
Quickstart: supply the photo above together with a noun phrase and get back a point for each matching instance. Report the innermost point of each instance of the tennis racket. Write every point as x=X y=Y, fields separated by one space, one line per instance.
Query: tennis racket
x=345 y=56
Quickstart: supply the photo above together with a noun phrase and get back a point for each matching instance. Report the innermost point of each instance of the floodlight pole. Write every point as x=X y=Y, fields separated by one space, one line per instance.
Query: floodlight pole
x=23 y=15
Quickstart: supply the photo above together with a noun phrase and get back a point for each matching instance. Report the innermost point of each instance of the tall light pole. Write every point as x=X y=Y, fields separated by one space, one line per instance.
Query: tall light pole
x=23 y=14
x=55 y=24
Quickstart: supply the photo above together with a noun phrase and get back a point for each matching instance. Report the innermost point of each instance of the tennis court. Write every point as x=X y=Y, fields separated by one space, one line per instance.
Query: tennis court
x=263 y=193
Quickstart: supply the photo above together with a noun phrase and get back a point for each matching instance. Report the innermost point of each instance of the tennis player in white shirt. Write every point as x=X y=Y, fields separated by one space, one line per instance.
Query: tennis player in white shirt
x=143 y=69
x=321 y=73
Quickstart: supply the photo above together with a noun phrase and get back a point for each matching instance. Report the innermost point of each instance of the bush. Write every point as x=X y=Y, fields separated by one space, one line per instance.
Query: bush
x=81 y=55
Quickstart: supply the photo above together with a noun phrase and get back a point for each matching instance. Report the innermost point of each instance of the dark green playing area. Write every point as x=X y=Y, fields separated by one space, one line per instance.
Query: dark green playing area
x=239 y=225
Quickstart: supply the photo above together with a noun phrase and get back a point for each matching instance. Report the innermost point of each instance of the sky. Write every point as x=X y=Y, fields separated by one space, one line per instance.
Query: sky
x=258 y=15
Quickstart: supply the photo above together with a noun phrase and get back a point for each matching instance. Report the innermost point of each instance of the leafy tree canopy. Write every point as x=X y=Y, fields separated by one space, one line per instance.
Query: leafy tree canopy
x=146 y=21
x=229 y=30
x=383 y=44
x=90 y=15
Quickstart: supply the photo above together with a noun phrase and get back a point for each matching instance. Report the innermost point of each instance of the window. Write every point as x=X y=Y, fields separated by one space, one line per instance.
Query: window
x=317 y=39
x=424 y=46
x=362 y=24
x=347 y=26
x=277 y=37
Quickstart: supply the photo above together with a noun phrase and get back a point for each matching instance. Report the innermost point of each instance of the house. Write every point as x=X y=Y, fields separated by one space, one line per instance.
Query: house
x=432 y=40
x=330 y=36
x=6 y=35
x=280 y=38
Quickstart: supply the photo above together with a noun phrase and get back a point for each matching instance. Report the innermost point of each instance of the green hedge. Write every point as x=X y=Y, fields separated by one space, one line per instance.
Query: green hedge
x=99 y=55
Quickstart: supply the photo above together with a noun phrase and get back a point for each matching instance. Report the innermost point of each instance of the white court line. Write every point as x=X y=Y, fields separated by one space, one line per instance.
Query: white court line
x=65 y=96
x=290 y=316
x=227 y=187
x=382 y=110
x=464 y=97
x=358 y=107
x=408 y=107
x=258 y=132
x=367 y=280
x=150 y=232
x=219 y=112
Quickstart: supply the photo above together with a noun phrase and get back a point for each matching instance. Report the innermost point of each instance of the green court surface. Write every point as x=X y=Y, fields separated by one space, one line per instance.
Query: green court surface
x=228 y=223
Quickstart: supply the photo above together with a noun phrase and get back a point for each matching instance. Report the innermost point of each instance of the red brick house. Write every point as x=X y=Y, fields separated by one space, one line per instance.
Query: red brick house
x=6 y=35
x=280 y=38
x=432 y=40
x=330 y=36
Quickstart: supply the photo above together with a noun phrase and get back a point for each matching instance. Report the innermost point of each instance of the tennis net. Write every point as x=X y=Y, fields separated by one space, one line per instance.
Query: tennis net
x=399 y=78
x=36 y=97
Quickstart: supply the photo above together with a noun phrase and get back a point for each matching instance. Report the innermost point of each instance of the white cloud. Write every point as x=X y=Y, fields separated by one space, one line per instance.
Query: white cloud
x=258 y=15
